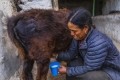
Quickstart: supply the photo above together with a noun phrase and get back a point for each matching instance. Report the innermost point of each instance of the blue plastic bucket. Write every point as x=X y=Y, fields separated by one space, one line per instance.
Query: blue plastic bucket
x=54 y=66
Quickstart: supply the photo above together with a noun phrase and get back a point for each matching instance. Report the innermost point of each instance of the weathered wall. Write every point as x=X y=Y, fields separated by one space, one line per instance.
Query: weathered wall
x=10 y=64
x=35 y=4
x=9 y=61
x=110 y=25
x=111 y=5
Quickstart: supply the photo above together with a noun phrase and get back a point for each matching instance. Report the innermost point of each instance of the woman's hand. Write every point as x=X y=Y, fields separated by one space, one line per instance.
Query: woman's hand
x=63 y=70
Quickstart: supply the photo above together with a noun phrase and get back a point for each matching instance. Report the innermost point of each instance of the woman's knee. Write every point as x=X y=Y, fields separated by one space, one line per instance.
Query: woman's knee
x=94 y=75
x=75 y=62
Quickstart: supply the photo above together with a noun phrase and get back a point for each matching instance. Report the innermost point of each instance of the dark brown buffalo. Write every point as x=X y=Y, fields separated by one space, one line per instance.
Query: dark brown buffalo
x=38 y=34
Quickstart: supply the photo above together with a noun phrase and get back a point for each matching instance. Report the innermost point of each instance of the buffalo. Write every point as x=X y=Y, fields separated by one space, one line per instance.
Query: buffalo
x=38 y=34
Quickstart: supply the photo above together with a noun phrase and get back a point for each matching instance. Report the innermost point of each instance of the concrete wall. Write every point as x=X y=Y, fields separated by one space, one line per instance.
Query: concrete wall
x=111 y=5
x=35 y=4
x=9 y=61
x=10 y=68
x=110 y=25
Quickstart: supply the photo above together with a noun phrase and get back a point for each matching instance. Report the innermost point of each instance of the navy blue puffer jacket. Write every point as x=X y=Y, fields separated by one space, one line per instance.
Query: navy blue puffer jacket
x=98 y=52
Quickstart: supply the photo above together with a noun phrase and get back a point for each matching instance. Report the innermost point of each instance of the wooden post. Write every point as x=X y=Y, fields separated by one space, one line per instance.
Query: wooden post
x=55 y=5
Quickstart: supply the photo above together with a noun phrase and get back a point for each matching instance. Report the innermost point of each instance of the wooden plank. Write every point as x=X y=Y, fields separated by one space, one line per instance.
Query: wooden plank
x=55 y=5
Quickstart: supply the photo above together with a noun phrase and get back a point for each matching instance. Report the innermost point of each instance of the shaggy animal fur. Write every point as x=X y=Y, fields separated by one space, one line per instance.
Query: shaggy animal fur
x=38 y=34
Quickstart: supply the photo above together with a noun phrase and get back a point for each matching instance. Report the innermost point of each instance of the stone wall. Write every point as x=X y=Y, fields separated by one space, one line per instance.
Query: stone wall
x=110 y=25
x=111 y=5
x=9 y=61
x=35 y=4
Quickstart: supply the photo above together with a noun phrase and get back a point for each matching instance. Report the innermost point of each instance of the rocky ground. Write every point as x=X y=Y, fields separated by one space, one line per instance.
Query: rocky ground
x=50 y=77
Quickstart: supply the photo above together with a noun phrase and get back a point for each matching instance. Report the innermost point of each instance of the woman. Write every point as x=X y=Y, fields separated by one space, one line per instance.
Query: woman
x=92 y=55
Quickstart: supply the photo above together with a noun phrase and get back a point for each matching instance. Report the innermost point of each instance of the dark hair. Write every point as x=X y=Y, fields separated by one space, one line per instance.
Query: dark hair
x=80 y=17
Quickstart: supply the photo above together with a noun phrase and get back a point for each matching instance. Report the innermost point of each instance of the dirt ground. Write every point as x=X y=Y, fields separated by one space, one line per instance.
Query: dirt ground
x=50 y=77
x=59 y=77
x=34 y=71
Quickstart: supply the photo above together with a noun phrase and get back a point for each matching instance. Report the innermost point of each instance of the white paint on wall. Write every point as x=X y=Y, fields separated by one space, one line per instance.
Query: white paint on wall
x=36 y=4
x=8 y=7
x=110 y=25
x=9 y=61
x=111 y=5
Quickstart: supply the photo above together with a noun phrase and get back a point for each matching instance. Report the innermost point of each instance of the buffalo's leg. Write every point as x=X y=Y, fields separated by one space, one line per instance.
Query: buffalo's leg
x=42 y=69
x=27 y=69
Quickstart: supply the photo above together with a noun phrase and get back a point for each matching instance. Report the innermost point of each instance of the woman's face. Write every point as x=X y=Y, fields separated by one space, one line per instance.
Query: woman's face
x=76 y=32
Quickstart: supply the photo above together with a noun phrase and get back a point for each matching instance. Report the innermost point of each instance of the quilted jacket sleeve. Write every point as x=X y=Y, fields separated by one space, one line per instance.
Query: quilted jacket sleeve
x=94 y=58
x=68 y=54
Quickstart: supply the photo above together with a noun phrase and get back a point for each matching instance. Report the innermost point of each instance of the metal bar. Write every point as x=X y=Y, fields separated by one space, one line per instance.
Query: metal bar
x=93 y=10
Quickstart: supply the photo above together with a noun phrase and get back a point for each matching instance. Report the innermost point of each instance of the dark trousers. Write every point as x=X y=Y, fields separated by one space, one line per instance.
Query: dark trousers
x=92 y=75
